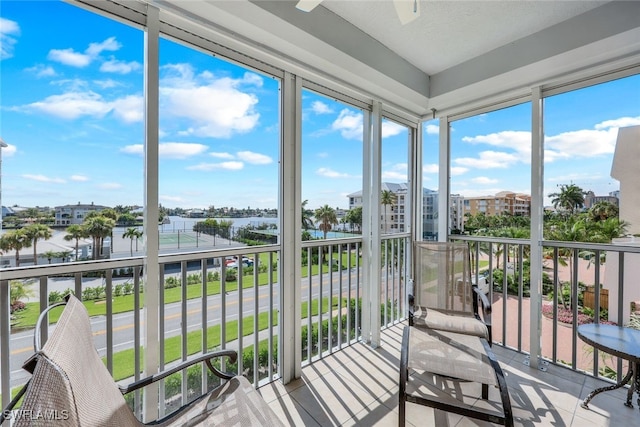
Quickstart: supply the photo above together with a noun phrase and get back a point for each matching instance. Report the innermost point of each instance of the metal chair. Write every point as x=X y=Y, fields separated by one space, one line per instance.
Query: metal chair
x=447 y=340
x=71 y=384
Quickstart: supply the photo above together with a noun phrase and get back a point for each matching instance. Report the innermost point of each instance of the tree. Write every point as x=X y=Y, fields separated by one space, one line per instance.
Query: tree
x=326 y=216
x=36 y=232
x=387 y=197
x=19 y=290
x=15 y=240
x=75 y=232
x=354 y=217
x=603 y=210
x=132 y=233
x=569 y=199
x=307 y=221
x=98 y=227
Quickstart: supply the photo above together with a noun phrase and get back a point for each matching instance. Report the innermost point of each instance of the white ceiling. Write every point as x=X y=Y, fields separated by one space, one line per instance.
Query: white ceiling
x=456 y=53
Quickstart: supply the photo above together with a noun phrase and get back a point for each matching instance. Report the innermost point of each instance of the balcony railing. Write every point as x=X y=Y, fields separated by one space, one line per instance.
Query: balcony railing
x=207 y=305
x=573 y=273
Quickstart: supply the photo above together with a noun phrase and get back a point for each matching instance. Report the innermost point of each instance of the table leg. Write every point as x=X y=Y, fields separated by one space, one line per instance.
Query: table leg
x=585 y=403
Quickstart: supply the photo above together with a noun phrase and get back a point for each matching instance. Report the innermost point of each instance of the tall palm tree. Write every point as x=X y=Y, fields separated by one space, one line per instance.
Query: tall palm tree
x=98 y=227
x=307 y=221
x=387 y=197
x=603 y=210
x=132 y=233
x=36 y=232
x=570 y=198
x=326 y=216
x=75 y=232
x=15 y=240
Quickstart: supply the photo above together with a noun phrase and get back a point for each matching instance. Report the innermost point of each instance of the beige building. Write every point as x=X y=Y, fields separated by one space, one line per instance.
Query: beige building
x=74 y=214
x=504 y=201
x=624 y=168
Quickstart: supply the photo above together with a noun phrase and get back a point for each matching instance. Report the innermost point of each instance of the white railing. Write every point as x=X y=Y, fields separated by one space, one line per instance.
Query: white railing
x=572 y=272
x=205 y=305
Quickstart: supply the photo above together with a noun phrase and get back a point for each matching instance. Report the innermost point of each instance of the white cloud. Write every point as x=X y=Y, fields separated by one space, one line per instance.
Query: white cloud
x=129 y=109
x=43 y=178
x=488 y=160
x=330 y=173
x=121 y=67
x=581 y=143
x=619 y=123
x=69 y=57
x=75 y=104
x=42 y=70
x=72 y=58
x=172 y=150
x=230 y=166
x=110 y=186
x=166 y=198
x=320 y=107
x=394 y=176
x=214 y=108
x=254 y=158
x=391 y=129
x=9 y=150
x=432 y=129
x=458 y=170
x=430 y=168
x=349 y=124
x=484 y=180
x=79 y=178
x=323 y=155
x=72 y=105
x=222 y=155
x=8 y=28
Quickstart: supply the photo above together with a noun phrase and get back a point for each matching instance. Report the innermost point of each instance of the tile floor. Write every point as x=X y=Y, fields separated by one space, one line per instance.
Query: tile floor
x=359 y=386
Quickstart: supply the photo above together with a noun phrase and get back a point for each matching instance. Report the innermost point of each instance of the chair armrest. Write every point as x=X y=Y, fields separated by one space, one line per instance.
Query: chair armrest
x=231 y=354
x=486 y=304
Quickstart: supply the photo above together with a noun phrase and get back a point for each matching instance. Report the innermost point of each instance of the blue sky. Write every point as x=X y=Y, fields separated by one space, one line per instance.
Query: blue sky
x=72 y=110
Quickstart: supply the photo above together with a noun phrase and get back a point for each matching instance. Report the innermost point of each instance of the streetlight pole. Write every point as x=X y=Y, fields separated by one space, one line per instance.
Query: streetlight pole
x=2 y=145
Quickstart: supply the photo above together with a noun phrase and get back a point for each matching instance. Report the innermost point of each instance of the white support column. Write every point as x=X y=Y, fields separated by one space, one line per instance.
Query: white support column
x=443 y=184
x=537 y=217
x=151 y=211
x=371 y=226
x=290 y=351
x=415 y=175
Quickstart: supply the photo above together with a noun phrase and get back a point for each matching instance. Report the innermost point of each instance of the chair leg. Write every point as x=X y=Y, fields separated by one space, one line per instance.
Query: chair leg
x=485 y=391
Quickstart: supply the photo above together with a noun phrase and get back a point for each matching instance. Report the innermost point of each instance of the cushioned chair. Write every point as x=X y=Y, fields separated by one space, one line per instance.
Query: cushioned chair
x=71 y=383
x=444 y=296
x=447 y=340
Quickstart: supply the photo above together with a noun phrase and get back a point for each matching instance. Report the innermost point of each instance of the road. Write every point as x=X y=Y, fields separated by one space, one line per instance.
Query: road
x=123 y=323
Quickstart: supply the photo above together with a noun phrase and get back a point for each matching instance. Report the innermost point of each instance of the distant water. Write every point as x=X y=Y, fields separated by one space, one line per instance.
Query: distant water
x=178 y=223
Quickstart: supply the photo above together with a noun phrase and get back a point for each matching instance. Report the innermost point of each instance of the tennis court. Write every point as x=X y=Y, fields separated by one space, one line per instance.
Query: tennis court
x=178 y=238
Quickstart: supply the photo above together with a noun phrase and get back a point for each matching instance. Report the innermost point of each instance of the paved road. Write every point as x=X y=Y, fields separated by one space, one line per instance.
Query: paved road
x=123 y=323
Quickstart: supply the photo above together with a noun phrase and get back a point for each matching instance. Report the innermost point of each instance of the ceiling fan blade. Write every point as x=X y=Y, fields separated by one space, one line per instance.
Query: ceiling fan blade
x=407 y=10
x=307 y=5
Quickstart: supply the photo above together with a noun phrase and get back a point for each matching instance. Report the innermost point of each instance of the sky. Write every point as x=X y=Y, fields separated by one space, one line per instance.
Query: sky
x=72 y=108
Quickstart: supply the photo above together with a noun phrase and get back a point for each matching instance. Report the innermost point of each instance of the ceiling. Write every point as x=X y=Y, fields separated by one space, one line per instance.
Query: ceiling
x=455 y=54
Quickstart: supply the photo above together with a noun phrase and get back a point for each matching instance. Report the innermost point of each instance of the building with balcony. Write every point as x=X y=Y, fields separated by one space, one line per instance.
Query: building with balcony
x=591 y=199
x=394 y=218
x=456 y=60
x=74 y=214
x=502 y=202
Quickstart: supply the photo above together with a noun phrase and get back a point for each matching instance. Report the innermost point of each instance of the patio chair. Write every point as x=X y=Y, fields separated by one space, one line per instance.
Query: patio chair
x=447 y=342
x=444 y=296
x=70 y=384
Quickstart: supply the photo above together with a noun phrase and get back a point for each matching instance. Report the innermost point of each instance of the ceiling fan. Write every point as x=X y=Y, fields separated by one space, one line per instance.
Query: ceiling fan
x=407 y=10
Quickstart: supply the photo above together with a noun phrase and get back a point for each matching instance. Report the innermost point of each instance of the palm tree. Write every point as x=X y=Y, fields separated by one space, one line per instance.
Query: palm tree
x=603 y=210
x=354 y=217
x=75 y=232
x=36 y=232
x=570 y=198
x=15 y=240
x=326 y=216
x=98 y=227
x=387 y=197
x=49 y=255
x=132 y=233
x=307 y=221
x=19 y=290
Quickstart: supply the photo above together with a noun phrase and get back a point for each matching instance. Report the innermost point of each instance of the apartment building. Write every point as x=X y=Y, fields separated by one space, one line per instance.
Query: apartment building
x=504 y=201
x=395 y=218
x=75 y=214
